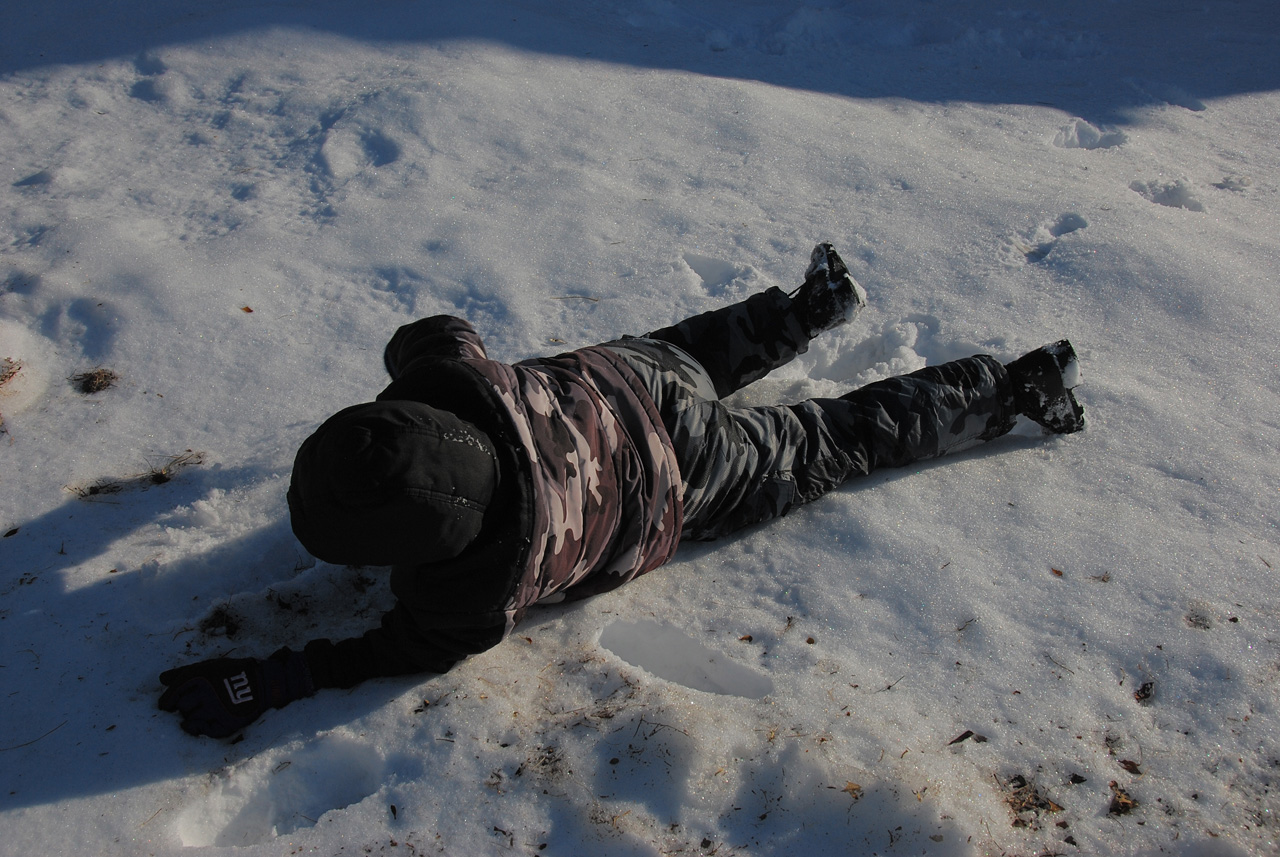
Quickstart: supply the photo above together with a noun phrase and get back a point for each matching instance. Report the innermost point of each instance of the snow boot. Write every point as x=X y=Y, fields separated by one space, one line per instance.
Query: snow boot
x=1042 y=384
x=829 y=297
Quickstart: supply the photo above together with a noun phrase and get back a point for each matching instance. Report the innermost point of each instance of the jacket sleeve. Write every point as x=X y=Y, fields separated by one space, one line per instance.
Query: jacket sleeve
x=437 y=336
x=398 y=647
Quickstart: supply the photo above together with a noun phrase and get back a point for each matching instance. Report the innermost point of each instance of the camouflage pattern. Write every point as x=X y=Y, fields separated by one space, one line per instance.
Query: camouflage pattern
x=740 y=343
x=741 y=466
x=631 y=448
x=606 y=497
x=628 y=448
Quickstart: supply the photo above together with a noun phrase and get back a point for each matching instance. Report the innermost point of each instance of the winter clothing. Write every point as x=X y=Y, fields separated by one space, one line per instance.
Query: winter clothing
x=741 y=466
x=588 y=496
x=381 y=471
x=222 y=696
x=489 y=487
x=829 y=296
x=1042 y=382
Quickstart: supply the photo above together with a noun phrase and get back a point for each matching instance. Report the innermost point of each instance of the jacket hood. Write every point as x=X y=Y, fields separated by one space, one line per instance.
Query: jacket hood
x=392 y=483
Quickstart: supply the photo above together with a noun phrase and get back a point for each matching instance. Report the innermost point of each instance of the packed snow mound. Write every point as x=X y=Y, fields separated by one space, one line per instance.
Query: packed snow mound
x=1083 y=135
x=673 y=655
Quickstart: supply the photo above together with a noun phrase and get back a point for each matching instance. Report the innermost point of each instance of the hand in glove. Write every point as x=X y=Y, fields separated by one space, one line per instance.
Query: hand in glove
x=220 y=696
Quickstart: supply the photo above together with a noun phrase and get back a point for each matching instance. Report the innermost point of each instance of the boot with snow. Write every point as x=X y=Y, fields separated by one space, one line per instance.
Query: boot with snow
x=1042 y=384
x=829 y=297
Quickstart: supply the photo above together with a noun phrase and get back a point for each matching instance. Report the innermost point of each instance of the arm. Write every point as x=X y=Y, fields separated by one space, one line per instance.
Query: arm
x=398 y=647
x=221 y=696
x=437 y=336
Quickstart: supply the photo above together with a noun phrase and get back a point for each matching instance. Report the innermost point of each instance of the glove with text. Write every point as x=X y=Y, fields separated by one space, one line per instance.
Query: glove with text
x=220 y=696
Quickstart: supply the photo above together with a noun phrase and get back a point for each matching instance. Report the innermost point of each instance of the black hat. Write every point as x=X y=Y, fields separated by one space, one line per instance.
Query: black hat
x=391 y=483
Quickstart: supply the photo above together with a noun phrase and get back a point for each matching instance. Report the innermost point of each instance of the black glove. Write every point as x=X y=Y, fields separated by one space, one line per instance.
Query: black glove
x=219 y=697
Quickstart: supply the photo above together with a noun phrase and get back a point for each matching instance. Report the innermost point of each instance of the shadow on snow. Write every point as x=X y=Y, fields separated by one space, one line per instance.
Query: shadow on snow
x=1097 y=61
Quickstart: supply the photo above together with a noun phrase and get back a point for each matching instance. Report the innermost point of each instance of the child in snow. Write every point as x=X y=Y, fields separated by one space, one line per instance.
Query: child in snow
x=488 y=487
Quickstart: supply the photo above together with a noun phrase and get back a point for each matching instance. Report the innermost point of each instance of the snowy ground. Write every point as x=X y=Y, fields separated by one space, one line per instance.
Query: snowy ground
x=231 y=206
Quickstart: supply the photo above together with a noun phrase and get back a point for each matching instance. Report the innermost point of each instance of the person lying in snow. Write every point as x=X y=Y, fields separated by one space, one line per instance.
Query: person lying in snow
x=489 y=487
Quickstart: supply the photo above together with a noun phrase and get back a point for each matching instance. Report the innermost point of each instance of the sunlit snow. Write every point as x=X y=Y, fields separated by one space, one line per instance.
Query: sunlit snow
x=228 y=208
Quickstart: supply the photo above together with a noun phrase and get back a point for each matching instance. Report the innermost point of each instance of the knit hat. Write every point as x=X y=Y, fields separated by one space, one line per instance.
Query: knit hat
x=391 y=483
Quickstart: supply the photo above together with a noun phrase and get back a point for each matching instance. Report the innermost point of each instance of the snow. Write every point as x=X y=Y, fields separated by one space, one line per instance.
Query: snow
x=233 y=206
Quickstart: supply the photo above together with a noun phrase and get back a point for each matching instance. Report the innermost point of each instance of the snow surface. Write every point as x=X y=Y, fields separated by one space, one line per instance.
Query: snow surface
x=231 y=206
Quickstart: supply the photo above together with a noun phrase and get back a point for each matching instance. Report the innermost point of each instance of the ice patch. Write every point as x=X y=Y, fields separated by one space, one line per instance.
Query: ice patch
x=673 y=655
x=279 y=792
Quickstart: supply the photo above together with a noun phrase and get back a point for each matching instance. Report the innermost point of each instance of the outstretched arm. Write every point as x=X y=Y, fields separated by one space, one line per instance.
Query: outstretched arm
x=399 y=647
x=221 y=696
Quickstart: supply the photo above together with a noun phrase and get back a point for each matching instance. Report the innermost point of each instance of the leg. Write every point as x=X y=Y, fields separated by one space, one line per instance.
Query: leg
x=744 y=342
x=746 y=466
x=741 y=343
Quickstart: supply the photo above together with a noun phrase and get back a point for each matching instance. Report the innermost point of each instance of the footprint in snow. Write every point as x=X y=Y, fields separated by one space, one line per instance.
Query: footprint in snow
x=346 y=152
x=276 y=793
x=1041 y=242
x=1169 y=194
x=150 y=89
x=149 y=65
x=1238 y=184
x=716 y=275
x=152 y=86
x=36 y=180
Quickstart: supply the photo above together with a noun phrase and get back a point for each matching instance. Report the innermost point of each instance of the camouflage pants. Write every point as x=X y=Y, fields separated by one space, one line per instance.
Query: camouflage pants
x=741 y=466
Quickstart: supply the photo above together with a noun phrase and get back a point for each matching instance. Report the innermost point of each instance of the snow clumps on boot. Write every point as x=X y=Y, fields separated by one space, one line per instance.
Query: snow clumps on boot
x=1042 y=384
x=830 y=296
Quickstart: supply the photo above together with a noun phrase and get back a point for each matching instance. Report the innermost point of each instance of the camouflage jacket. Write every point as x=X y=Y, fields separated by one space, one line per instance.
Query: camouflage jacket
x=591 y=497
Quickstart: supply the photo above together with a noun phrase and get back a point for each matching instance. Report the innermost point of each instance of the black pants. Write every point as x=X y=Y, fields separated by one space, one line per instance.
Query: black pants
x=741 y=466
